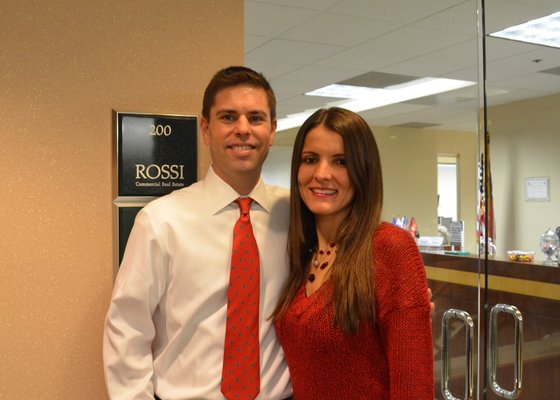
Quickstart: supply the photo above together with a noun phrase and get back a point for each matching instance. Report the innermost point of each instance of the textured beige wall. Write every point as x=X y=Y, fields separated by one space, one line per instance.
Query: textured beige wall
x=64 y=66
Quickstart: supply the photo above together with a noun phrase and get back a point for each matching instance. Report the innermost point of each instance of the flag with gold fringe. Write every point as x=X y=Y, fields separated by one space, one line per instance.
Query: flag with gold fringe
x=485 y=220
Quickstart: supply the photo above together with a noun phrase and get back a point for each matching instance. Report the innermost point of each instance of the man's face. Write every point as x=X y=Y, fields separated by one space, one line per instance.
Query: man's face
x=239 y=133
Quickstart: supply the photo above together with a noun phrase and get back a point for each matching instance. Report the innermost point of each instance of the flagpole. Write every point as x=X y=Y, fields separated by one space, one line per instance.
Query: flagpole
x=483 y=107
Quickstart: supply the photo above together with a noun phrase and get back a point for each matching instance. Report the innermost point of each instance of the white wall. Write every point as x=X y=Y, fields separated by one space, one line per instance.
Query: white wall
x=276 y=169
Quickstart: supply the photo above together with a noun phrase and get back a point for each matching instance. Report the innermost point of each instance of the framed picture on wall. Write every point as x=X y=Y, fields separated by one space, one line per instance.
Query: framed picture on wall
x=537 y=189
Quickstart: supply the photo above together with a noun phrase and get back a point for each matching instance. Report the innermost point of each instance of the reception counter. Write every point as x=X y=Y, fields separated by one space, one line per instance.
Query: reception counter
x=530 y=279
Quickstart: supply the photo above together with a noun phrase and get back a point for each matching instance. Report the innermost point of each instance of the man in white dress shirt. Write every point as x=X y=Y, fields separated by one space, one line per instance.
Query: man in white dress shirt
x=164 y=331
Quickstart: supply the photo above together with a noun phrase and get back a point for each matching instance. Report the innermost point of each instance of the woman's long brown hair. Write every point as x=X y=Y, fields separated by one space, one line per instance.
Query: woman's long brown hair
x=352 y=273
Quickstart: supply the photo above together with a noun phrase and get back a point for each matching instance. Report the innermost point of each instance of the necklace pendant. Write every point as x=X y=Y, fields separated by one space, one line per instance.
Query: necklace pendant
x=311 y=277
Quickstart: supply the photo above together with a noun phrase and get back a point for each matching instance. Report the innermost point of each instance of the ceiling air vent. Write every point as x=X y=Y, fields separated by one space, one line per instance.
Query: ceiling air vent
x=377 y=80
x=553 y=71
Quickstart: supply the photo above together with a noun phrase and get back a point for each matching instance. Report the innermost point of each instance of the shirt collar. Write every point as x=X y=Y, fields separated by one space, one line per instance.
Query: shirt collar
x=219 y=194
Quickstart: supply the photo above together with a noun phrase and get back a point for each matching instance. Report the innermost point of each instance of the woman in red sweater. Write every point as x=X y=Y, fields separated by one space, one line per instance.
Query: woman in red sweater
x=354 y=317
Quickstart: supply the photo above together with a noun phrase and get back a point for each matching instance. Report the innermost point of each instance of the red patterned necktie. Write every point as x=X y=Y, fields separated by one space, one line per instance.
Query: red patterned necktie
x=240 y=373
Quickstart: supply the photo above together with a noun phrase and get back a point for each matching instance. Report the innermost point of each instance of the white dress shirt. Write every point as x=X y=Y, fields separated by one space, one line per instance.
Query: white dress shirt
x=164 y=331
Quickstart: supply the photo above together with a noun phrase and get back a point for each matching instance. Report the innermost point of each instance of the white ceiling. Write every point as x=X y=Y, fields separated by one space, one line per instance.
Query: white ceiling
x=301 y=45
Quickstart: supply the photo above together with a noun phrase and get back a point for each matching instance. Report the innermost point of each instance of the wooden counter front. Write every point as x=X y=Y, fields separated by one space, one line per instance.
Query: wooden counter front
x=533 y=288
x=529 y=279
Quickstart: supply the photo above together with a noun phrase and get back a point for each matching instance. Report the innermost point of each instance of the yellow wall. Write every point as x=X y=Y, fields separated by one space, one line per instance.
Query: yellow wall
x=409 y=159
x=525 y=137
x=64 y=67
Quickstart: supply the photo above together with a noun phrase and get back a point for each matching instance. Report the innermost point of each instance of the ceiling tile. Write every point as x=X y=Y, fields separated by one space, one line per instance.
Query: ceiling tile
x=271 y=68
x=322 y=75
x=306 y=44
x=318 y=5
x=302 y=52
x=458 y=18
x=262 y=19
x=254 y=41
x=404 y=11
x=327 y=28
x=425 y=66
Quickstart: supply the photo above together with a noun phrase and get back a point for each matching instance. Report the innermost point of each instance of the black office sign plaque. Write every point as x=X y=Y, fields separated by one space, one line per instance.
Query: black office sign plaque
x=156 y=153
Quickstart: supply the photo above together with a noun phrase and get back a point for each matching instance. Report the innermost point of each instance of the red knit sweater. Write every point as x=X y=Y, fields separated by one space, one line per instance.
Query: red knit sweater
x=390 y=359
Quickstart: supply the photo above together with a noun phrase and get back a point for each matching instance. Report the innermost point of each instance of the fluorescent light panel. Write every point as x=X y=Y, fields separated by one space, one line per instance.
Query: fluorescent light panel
x=360 y=98
x=544 y=31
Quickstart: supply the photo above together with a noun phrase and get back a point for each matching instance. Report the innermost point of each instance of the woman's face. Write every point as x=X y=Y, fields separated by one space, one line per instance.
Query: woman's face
x=323 y=179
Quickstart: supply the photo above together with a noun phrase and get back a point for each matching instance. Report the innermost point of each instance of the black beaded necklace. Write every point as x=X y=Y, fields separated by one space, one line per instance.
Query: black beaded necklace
x=326 y=256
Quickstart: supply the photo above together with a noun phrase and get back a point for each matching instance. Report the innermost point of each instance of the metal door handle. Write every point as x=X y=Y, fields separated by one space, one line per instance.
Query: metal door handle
x=493 y=351
x=469 y=356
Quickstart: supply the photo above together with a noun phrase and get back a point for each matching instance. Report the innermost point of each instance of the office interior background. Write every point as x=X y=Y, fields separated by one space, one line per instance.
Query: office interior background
x=65 y=66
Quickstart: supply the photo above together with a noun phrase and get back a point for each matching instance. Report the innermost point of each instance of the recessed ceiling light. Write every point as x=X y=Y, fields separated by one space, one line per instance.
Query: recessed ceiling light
x=360 y=98
x=544 y=31
x=345 y=91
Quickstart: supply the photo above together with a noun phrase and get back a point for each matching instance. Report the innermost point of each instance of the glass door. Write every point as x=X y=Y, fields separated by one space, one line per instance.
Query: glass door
x=497 y=321
x=521 y=125
x=419 y=60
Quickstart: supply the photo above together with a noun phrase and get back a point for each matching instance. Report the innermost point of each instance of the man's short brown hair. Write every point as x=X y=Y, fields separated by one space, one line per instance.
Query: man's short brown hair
x=236 y=76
